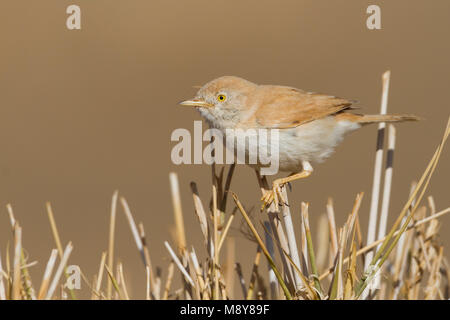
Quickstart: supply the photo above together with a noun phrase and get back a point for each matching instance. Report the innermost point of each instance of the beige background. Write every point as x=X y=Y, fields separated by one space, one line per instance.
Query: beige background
x=83 y=113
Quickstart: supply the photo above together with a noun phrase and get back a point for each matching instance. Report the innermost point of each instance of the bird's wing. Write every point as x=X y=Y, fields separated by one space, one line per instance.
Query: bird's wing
x=286 y=107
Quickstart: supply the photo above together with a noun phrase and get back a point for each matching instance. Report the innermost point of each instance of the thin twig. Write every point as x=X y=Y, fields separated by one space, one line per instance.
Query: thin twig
x=112 y=226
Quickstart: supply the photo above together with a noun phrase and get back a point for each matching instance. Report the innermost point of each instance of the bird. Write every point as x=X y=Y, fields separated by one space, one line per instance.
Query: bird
x=310 y=124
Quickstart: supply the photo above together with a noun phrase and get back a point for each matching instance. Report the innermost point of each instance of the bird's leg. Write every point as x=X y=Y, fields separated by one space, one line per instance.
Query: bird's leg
x=275 y=194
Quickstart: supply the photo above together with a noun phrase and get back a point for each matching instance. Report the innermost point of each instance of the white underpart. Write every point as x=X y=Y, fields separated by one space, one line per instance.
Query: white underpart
x=314 y=141
x=311 y=142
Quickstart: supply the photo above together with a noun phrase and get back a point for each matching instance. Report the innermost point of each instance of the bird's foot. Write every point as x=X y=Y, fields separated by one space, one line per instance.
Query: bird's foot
x=275 y=195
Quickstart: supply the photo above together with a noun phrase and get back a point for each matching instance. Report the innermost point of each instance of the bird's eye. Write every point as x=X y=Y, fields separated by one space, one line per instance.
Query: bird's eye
x=221 y=98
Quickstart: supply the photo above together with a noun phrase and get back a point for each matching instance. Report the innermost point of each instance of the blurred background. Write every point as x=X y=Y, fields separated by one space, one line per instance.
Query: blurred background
x=90 y=111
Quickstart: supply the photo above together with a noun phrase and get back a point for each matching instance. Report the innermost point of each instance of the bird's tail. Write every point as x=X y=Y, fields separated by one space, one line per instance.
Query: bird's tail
x=366 y=119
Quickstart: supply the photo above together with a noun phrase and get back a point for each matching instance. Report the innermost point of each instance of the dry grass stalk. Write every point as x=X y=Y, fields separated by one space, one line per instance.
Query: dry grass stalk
x=224 y=233
x=238 y=269
x=48 y=272
x=98 y=283
x=115 y=283
x=147 y=258
x=2 y=283
x=201 y=215
x=179 y=264
x=147 y=284
x=273 y=284
x=170 y=273
x=59 y=271
x=387 y=183
x=332 y=228
x=134 y=230
x=178 y=213
x=122 y=281
x=229 y=272
x=278 y=233
x=112 y=227
x=215 y=264
x=373 y=215
x=322 y=239
x=16 y=284
x=289 y=226
x=263 y=247
x=27 y=284
x=254 y=276
x=310 y=248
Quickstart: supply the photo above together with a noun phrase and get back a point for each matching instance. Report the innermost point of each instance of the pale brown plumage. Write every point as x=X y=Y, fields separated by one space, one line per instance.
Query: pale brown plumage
x=286 y=107
x=310 y=124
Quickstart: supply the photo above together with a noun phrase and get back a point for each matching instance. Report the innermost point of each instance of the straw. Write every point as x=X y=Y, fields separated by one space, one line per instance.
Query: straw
x=112 y=225
x=178 y=213
x=59 y=271
x=48 y=272
x=373 y=215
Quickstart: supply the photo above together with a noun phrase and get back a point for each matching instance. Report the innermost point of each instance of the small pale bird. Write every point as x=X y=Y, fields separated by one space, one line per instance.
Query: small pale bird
x=310 y=124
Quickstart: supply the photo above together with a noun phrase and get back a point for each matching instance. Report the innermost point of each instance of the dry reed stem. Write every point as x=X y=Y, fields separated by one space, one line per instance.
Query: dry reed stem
x=54 y=229
x=193 y=273
x=28 y=285
x=263 y=247
x=94 y=295
x=272 y=278
x=2 y=284
x=178 y=213
x=332 y=227
x=336 y=289
x=47 y=273
x=170 y=273
x=254 y=275
x=122 y=281
x=112 y=227
x=179 y=264
x=286 y=214
x=225 y=231
x=59 y=271
x=310 y=248
x=373 y=215
x=98 y=284
x=146 y=253
x=115 y=283
x=57 y=239
x=278 y=232
x=147 y=284
x=387 y=182
x=322 y=239
x=134 y=230
x=238 y=269
x=310 y=292
x=201 y=215
x=215 y=264
x=16 y=284
x=198 y=275
x=229 y=272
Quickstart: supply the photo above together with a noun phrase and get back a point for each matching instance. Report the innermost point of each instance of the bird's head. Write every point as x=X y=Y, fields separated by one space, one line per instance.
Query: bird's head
x=222 y=101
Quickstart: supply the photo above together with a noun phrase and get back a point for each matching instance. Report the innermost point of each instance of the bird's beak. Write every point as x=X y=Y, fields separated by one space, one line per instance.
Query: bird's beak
x=196 y=103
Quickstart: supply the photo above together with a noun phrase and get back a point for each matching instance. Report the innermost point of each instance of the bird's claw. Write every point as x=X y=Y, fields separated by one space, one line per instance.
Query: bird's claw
x=289 y=186
x=275 y=195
